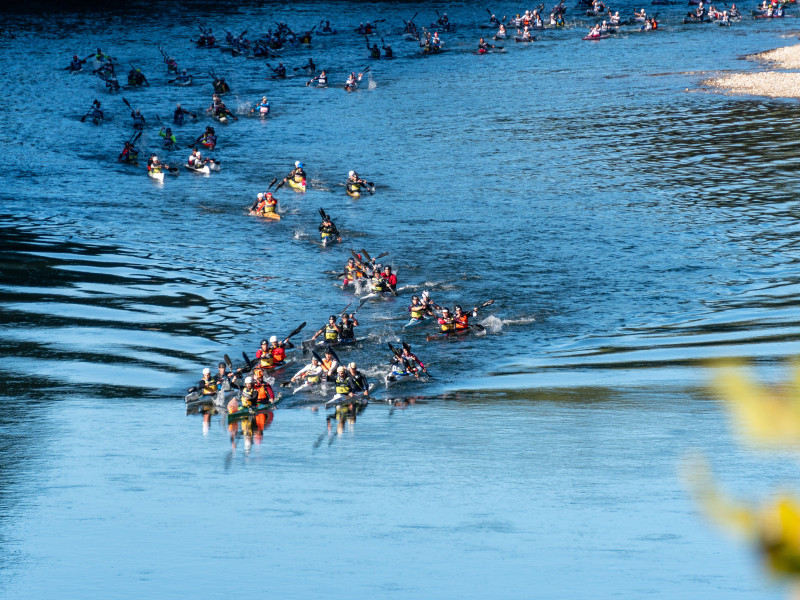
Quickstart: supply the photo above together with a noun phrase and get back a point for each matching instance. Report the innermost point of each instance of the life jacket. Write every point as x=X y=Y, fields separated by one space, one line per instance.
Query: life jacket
x=322 y=80
x=352 y=186
x=461 y=322
x=417 y=311
x=326 y=230
x=315 y=378
x=154 y=168
x=299 y=175
x=328 y=364
x=210 y=386
x=249 y=397
x=138 y=121
x=376 y=53
x=347 y=331
x=209 y=140
x=278 y=354
x=343 y=385
x=379 y=283
x=447 y=324
x=267 y=360
x=331 y=333
x=269 y=207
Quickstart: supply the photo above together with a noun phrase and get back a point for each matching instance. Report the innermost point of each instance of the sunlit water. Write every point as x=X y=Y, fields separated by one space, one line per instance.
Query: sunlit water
x=628 y=226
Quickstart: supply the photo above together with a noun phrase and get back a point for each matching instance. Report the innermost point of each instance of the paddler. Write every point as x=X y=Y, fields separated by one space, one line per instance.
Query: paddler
x=352 y=81
x=428 y=303
x=112 y=85
x=329 y=365
x=327 y=230
x=384 y=280
x=267 y=203
x=138 y=120
x=387 y=50
x=354 y=180
x=526 y=34
x=416 y=309
x=265 y=391
x=153 y=166
x=326 y=28
x=446 y=323
x=343 y=386
x=170 y=143
x=332 y=331
x=95 y=110
x=352 y=272
x=208 y=139
x=310 y=66
x=249 y=395
x=321 y=79
x=77 y=63
x=278 y=349
x=311 y=375
x=280 y=71
x=262 y=108
x=375 y=52
x=358 y=383
x=223 y=375
x=483 y=46
x=461 y=319
x=409 y=356
x=220 y=86
x=346 y=327
x=129 y=154
x=297 y=174
x=403 y=363
x=615 y=18
x=177 y=116
x=208 y=384
x=195 y=159
x=183 y=78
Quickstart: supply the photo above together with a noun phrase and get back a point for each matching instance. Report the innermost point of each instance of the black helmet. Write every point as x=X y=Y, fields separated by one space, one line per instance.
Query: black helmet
x=221 y=365
x=457 y=307
x=332 y=317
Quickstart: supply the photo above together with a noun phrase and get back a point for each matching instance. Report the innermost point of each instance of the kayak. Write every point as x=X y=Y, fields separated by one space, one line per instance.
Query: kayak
x=688 y=21
x=520 y=39
x=444 y=335
x=157 y=176
x=183 y=83
x=268 y=215
x=259 y=409
x=354 y=190
x=414 y=322
x=592 y=38
x=358 y=401
x=783 y=16
x=205 y=169
x=350 y=342
x=300 y=186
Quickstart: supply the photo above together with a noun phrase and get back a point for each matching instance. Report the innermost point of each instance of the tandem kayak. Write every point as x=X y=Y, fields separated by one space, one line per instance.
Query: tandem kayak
x=300 y=186
x=592 y=38
x=444 y=335
x=204 y=170
x=183 y=83
x=525 y=41
x=266 y=215
x=157 y=176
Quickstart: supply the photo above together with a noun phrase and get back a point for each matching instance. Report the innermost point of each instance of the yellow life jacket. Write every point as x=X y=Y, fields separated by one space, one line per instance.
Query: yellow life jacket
x=448 y=325
x=266 y=360
x=313 y=378
x=418 y=311
x=342 y=386
x=331 y=333
x=249 y=397
x=210 y=386
x=270 y=206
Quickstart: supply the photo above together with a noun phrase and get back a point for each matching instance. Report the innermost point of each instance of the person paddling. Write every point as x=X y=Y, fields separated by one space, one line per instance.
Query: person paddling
x=170 y=143
x=351 y=84
x=387 y=50
x=178 y=115
x=221 y=86
x=321 y=79
x=262 y=108
x=138 y=120
x=375 y=52
x=384 y=281
x=311 y=375
x=77 y=63
x=297 y=174
x=129 y=154
x=328 y=231
x=331 y=331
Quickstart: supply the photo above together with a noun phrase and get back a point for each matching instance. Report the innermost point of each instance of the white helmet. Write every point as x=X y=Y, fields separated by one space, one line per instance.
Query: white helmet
x=351 y=173
x=260 y=195
x=273 y=339
x=248 y=380
x=198 y=153
x=206 y=371
x=425 y=293
x=297 y=163
x=352 y=365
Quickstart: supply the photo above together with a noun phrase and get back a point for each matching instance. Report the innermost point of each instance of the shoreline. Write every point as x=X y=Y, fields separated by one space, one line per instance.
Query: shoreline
x=770 y=83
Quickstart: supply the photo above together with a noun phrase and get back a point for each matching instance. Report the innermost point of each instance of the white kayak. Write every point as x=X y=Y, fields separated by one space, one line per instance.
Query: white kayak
x=157 y=176
x=204 y=170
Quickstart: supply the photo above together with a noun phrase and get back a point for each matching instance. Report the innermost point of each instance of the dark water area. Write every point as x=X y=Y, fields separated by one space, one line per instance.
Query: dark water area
x=629 y=224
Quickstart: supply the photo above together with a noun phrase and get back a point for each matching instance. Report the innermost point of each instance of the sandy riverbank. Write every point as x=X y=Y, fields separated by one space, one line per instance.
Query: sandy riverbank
x=765 y=83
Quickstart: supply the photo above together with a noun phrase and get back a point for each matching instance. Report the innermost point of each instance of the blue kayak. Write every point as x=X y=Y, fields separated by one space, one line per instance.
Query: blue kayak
x=414 y=322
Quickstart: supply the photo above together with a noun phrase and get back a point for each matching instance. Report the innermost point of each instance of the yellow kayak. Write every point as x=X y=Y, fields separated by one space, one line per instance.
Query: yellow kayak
x=266 y=215
x=300 y=186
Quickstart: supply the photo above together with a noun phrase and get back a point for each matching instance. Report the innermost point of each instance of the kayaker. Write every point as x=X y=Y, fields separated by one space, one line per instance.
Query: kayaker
x=343 y=385
x=223 y=375
x=354 y=179
x=138 y=119
x=352 y=272
x=208 y=384
x=483 y=46
x=249 y=394
x=95 y=110
x=461 y=319
x=170 y=143
x=411 y=358
x=331 y=331
x=265 y=392
x=172 y=64
x=385 y=279
x=321 y=79
x=268 y=204
x=375 y=52
x=208 y=139
x=326 y=28
x=387 y=50
x=220 y=86
x=297 y=174
x=177 y=116
x=195 y=159
x=446 y=322
x=153 y=166
x=358 y=383
x=310 y=66
x=346 y=327
x=311 y=375
x=428 y=303
x=280 y=71
x=112 y=85
x=436 y=43
x=327 y=230
x=402 y=365
x=526 y=34
x=262 y=108
x=416 y=309
x=129 y=154
x=278 y=349
x=352 y=81
x=615 y=18
x=329 y=365
x=500 y=35
x=76 y=64
x=642 y=15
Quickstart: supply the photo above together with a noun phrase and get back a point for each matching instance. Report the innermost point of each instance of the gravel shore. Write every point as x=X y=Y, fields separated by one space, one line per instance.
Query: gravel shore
x=765 y=83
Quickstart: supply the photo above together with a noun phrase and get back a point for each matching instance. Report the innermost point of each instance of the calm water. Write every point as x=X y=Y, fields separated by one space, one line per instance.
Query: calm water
x=629 y=226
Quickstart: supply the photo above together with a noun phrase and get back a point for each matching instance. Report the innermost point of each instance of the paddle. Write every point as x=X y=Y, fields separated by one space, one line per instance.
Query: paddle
x=128 y=104
x=83 y=118
x=296 y=331
x=271 y=183
x=414 y=356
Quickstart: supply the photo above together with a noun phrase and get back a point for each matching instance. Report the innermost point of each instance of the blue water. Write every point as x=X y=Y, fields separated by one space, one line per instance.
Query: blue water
x=629 y=224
